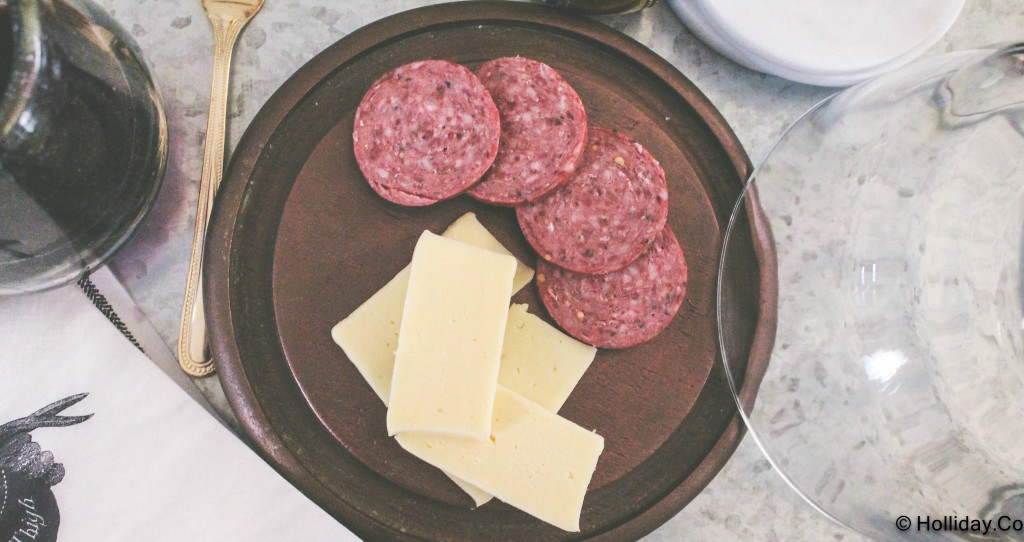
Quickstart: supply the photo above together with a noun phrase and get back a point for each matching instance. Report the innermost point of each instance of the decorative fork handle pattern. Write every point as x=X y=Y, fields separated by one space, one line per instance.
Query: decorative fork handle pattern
x=192 y=356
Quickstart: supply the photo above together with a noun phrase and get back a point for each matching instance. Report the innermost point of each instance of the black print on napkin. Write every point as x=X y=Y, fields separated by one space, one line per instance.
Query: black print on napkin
x=28 y=509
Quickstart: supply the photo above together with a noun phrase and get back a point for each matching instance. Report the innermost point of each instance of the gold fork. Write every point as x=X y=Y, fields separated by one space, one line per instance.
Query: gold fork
x=228 y=18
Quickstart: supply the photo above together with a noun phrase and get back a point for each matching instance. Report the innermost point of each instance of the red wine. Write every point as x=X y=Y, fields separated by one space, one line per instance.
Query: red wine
x=81 y=160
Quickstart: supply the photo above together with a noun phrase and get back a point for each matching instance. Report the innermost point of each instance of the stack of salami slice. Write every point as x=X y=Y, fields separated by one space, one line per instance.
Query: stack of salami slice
x=592 y=202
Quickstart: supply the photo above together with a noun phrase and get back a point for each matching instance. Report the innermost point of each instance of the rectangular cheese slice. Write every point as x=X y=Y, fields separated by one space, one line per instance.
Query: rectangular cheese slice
x=540 y=362
x=469 y=230
x=369 y=336
x=449 y=343
x=533 y=460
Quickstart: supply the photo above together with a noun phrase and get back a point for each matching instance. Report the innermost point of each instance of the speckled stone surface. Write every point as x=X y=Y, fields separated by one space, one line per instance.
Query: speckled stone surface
x=747 y=501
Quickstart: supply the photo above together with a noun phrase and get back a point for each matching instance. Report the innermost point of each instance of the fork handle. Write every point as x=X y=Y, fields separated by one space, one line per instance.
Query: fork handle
x=192 y=354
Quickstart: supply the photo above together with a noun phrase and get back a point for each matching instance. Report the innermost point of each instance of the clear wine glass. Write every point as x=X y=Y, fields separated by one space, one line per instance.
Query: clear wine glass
x=83 y=141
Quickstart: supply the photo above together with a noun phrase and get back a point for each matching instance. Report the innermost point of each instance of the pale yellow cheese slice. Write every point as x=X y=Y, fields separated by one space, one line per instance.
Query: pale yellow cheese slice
x=540 y=362
x=369 y=336
x=449 y=344
x=534 y=459
x=469 y=230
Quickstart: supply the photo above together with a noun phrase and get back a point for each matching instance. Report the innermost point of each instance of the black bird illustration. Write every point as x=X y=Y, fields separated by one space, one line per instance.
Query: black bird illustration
x=18 y=454
x=28 y=509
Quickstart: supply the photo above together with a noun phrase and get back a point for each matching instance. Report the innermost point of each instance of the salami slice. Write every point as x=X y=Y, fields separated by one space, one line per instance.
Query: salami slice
x=607 y=214
x=425 y=132
x=543 y=131
x=623 y=308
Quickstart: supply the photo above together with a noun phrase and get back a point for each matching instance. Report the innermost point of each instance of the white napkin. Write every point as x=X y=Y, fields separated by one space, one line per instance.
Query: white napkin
x=149 y=464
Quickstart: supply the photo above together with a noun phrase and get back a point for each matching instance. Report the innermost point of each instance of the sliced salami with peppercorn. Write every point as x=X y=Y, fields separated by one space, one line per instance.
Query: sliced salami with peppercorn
x=619 y=309
x=425 y=132
x=607 y=214
x=543 y=131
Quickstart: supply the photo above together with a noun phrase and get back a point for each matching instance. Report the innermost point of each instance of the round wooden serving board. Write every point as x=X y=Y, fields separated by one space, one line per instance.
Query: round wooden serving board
x=299 y=240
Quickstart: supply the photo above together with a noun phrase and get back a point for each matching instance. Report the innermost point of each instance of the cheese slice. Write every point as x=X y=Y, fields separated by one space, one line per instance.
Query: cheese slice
x=533 y=460
x=469 y=230
x=369 y=336
x=449 y=344
x=540 y=362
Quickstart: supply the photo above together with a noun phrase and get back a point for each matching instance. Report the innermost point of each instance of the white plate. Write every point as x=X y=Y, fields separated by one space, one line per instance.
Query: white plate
x=820 y=42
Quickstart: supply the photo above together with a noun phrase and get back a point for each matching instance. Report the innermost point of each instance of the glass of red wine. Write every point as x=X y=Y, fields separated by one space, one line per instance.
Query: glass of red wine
x=83 y=141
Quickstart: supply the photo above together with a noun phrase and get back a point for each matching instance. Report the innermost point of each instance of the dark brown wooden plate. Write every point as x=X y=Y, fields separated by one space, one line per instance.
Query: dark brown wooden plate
x=299 y=240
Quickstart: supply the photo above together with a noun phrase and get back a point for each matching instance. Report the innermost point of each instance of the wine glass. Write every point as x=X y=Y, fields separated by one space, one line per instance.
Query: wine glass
x=83 y=141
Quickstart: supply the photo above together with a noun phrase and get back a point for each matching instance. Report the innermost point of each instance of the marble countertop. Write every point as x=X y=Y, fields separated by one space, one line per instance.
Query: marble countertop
x=746 y=501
